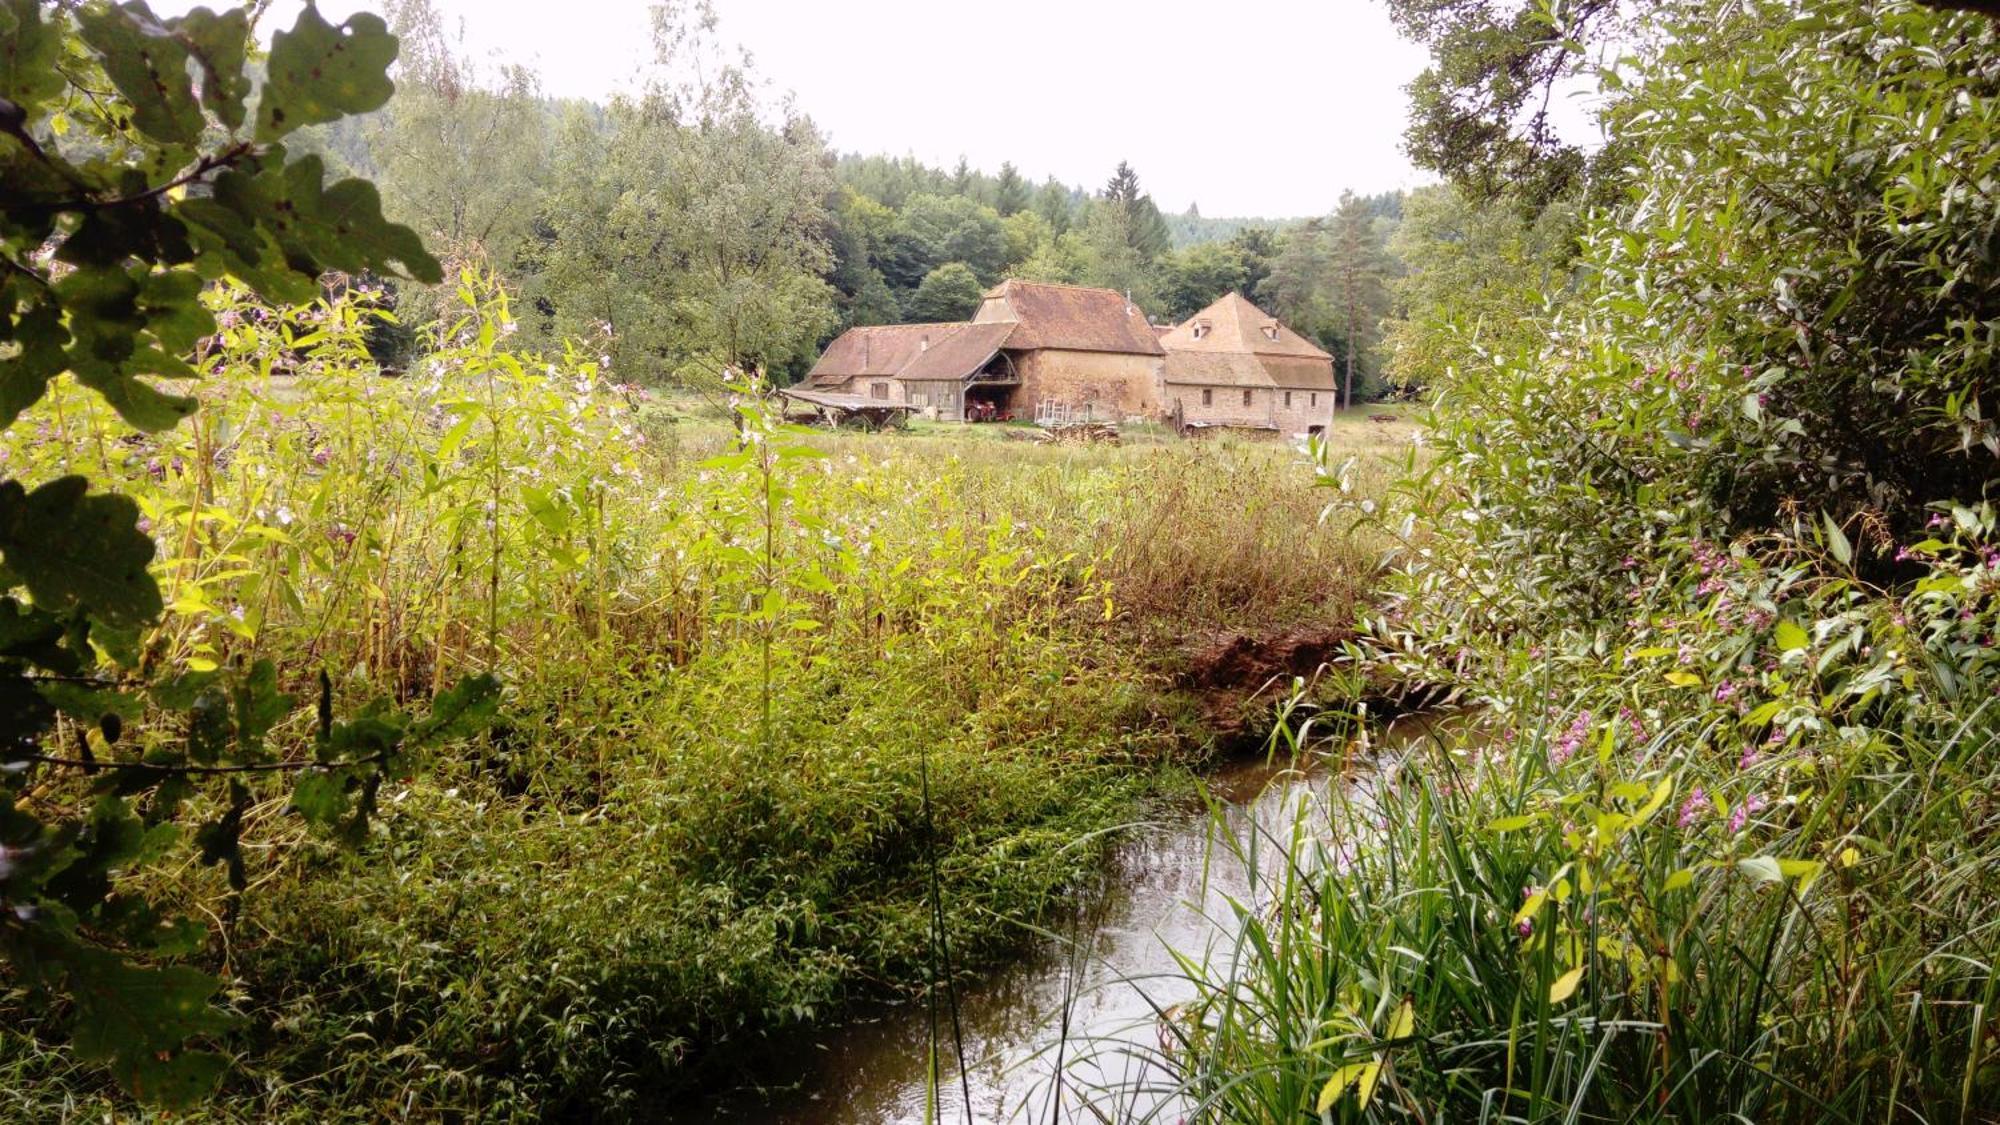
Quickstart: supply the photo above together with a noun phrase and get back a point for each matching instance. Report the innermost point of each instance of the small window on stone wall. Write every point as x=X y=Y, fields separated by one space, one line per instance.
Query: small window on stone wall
x=878 y=390
x=1288 y=400
x=1314 y=401
x=1246 y=396
x=1207 y=397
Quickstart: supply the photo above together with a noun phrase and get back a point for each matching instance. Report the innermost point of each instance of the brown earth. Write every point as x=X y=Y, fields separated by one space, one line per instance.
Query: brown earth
x=1239 y=679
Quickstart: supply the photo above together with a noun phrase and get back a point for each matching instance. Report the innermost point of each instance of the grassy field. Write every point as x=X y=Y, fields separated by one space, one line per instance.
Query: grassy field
x=771 y=696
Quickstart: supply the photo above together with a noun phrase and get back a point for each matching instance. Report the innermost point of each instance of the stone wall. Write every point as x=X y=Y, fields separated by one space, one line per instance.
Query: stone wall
x=1307 y=408
x=1267 y=406
x=1119 y=385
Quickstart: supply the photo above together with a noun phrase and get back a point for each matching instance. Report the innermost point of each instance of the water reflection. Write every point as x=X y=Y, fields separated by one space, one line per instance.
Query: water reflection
x=1073 y=1033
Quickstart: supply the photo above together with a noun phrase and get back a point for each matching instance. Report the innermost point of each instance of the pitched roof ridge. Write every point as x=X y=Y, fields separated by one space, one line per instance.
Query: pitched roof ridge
x=913 y=324
x=1054 y=285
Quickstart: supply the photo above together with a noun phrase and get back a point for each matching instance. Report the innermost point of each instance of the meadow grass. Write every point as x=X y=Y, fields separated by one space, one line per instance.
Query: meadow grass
x=772 y=698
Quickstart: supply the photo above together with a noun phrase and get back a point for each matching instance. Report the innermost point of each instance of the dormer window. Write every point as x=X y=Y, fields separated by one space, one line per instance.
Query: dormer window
x=1271 y=330
x=1200 y=329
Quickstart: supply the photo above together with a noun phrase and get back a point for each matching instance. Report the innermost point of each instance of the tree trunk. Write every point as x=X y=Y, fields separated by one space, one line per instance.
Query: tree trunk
x=1347 y=395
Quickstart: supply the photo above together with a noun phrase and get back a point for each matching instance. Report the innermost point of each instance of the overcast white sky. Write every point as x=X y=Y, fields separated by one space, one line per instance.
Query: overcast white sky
x=1250 y=107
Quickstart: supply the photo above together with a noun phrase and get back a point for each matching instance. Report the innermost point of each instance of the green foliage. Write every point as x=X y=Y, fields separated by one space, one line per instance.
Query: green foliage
x=731 y=651
x=1473 y=284
x=1713 y=564
x=78 y=553
x=949 y=292
x=686 y=247
x=1329 y=280
x=1479 y=113
x=1196 y=276
x=124 y=191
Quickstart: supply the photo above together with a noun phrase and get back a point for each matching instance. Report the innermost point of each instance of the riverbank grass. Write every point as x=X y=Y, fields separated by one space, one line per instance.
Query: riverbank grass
x=771 y=695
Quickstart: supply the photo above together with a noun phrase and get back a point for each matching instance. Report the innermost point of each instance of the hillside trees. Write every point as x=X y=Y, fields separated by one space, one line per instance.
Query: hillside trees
x=1199 y=274
x=686 y=234
x=949 y=292
x=1010 y=192
x=463 y=156
x=1358 y=269
x=1474 y=278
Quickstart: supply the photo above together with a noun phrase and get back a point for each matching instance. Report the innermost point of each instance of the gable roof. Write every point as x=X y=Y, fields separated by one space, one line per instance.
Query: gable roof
x=945 y=351
x=959 y=355
x=1234 y=343
x=1070 y=317
x=876 y=349
x=1235 y=325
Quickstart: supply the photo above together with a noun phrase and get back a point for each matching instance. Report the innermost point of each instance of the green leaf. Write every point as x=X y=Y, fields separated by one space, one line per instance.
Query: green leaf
x=1836 y=541
x=320 y=73
x=136 y=1020
x=149 y=67
x=321 y=796
x=217 y=43
x=1679 y=879
x=469 y=706
x=29 y=48
x=259 y=707
x=1507 y=824
x=180 y=1079
x=1791 y=636
x=76 y=551
x=341 y=227
x=24 y=378
x=1762 y=868
x=1565 y=985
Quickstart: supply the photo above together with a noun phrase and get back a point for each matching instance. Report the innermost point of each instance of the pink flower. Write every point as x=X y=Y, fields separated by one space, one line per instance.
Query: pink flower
x=1631 y=718
x=1725 y=691
x=1751 y=805
x=1693 y=808
x=1751 y=756
x=1572 y=739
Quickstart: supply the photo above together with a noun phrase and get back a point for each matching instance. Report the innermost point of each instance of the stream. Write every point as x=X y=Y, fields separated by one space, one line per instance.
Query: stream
x=1168 y=886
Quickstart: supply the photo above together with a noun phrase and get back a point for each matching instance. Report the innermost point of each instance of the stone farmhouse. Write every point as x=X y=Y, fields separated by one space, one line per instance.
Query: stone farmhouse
x=1039 y=351
x=1234 y=364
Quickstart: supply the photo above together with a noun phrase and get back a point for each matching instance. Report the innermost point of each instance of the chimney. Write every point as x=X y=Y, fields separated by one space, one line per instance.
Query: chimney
x=1129 y=310
x=924 y=342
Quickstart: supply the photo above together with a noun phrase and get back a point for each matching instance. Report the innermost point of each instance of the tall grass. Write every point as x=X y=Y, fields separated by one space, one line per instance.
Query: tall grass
x=748 y=671
x=1517 y=925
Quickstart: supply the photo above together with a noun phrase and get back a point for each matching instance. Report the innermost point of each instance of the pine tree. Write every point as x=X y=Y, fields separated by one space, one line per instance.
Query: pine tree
x=1357 y=276
x=1011 y=192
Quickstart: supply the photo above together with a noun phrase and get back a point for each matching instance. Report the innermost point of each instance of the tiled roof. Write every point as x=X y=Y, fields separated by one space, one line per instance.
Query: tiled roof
x=1070 y=317
x=1234 y=343
x=910 y=351
x=880 y=349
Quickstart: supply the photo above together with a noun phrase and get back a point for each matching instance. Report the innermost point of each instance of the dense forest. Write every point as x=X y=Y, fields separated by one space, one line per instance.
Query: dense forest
x=598 y=217
x=415 y=704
